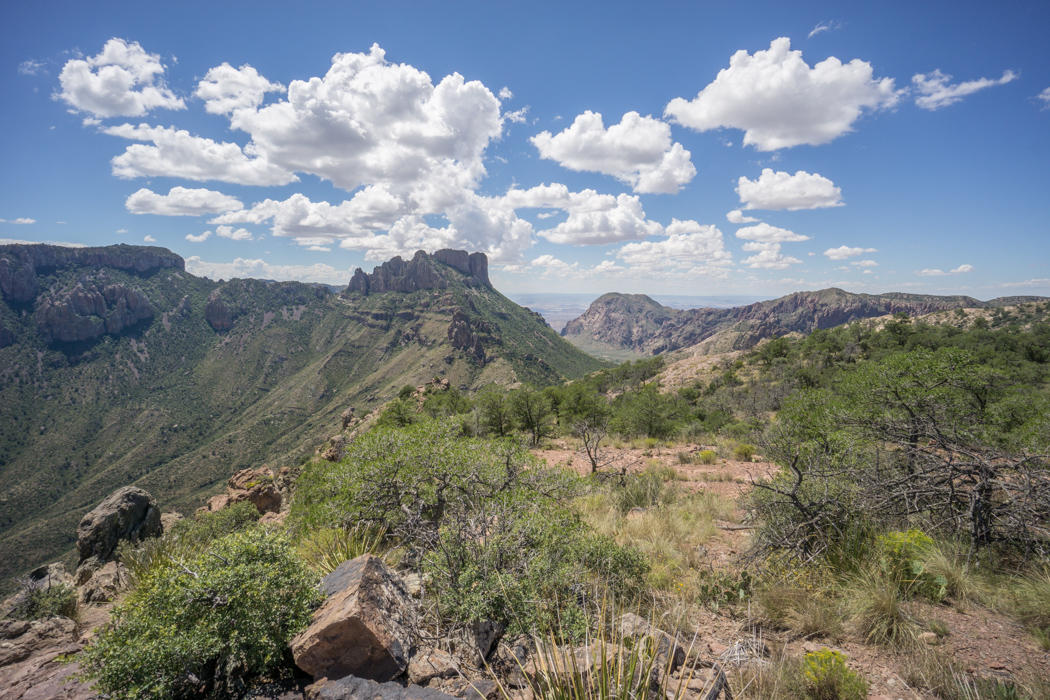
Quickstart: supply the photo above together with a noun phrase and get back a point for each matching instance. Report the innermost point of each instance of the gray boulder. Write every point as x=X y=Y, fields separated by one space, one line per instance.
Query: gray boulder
x=354 y=688
x=363 y=629
x=129 y=513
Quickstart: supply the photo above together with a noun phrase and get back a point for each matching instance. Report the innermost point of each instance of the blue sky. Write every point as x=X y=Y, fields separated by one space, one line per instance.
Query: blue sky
x=667 y=148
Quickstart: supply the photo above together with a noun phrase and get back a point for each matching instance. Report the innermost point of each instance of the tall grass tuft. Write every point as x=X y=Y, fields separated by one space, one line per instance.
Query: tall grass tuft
x=325 y=549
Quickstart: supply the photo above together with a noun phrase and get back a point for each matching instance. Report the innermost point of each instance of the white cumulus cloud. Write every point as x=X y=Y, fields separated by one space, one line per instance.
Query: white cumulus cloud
x=594 y=219
x=260 y=269
x=198 y=239
x=767 y=256
x=225 y=89
x=240 y=234
x=780 y=102
x=1045 y=97
x=940 y=273
x=935 y=92
x=686 y=242
x=637 y=151
x=769 y=234
x=20 y=220
x=737 y=217
x=149 y=239
x=177 y=153
x=181 y=201
x=864 y=263
x=780 y=190
x=844 y=252
x=121 y=81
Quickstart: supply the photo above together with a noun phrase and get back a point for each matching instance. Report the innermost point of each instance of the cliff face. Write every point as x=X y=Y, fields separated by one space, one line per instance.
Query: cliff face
x=638 y=324
x=423 y=271
x=20 y=264
x=89 y=310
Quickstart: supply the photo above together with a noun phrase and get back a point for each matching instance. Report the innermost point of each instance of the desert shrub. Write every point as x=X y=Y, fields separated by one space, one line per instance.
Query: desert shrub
x=491 y=529
x=399 y=413
x=642 y=490
x=708 y=457
x=744 y=452
x=206 y=625
x=186 y=539
x=43 y=598
x=826 y=677
x=903 y=559
x=806 y=615
x=323 y=549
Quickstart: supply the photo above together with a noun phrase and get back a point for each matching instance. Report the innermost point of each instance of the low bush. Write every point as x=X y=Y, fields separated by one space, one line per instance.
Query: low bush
x=207 y=624
x=707 y=457
x=39 y=600
x=491 y=529
x=744 y=452
x=826 y=677
x=903 y=559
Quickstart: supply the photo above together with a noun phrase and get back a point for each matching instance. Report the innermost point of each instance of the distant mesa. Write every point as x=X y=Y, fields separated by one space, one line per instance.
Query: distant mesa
x=20 y=264
x=423 y=271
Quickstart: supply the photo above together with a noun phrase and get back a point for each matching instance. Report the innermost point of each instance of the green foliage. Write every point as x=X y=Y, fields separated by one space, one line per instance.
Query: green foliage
x=406 y=392
x=826 y=677
x=707 y=457
x=445 y=404
x=744 y=452
x=207 y=624
x=643 y=489
x=495 y=411
x=324 y=549
x=647 y=412
x=533 y=413
x=904 y=556
x=185 y=540
x=718 y=588
x=490 y=529
x=399 y=413
x=39 y=600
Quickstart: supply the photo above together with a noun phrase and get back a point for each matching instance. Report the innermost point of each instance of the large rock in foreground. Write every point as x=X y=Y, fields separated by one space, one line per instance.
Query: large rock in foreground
x=364 y=627
x=129 y=513
x=352 y=688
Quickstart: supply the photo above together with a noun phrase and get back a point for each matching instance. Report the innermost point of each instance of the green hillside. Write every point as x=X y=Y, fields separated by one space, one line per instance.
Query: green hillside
x=174 y=406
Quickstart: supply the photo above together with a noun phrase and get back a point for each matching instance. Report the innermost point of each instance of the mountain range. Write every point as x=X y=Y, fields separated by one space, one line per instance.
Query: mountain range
x=117 y=367
x=624 y=326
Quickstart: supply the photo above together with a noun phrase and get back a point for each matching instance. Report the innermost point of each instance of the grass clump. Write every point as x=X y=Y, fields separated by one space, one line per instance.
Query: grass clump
x=878 y=608
x=207 y=624
x=326 y=548
x=805 y=614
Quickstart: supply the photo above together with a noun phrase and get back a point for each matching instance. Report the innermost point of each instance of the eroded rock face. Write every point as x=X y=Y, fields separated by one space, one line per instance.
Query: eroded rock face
x=461 y=337
x=423 y=271
x=363 y=629
x=19 y=263
x=255 y=485
x=20 y=640
x=129 y=513
x=88 y=311
x=218 y=313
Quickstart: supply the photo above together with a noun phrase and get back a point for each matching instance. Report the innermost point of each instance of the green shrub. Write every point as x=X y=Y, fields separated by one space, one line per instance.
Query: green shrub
x=39 y=600
x=904 y=557
x=826 y=677
x=642 y=490
x=708 y=457
x=207 y=624
x=185 y=540
x=744 y=452
x=490 y=528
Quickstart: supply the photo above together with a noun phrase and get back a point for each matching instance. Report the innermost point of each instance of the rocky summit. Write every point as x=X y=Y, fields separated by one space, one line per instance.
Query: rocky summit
x=119 y=368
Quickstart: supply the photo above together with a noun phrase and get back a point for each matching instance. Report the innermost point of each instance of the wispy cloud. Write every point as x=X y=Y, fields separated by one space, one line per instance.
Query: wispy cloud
x=824 y=27
x=935 y=92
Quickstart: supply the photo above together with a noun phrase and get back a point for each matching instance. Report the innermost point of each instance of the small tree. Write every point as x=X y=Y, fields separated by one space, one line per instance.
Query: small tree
x=495 y=411
x=533 y=413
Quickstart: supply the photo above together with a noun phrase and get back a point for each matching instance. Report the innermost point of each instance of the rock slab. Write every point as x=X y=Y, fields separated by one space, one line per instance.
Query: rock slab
x=129 y=513
x=353 y=688
x=363 y=629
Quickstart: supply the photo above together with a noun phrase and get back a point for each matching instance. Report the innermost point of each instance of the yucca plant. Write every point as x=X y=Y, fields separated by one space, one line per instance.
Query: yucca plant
x=326 y=548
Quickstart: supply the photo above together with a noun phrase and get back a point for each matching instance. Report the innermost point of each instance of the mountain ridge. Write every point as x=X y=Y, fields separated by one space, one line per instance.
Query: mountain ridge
x=217 y=376
x=632 y=325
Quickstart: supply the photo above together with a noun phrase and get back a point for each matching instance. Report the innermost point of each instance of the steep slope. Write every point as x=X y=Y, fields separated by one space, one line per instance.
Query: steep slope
x=143 y=374
x=618 y=324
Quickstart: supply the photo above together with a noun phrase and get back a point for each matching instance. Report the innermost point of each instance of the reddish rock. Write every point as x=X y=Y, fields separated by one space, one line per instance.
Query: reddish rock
x=364 y=628
x=20 y=640
x=428 y=664
x=255 y=485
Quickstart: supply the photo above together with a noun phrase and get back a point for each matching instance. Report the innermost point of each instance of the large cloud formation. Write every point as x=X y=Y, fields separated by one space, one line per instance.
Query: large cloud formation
x=780 y=190
x=780 y=102
x=181 y=201
x=687 y=242
x=121 y=81
x=637 y=151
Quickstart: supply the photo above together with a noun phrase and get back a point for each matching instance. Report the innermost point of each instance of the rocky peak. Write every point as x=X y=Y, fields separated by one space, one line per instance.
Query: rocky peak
x=423 y=271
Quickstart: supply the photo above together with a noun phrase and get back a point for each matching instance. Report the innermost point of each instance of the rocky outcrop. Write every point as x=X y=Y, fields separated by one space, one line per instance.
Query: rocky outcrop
x=88 y=311
x=461 y=337
x=129 y=513
x=423 y=271
x=255 y=485
x=218 y=313
x=364 y=627
x=20 y=639
x=354 y=688
x=19 y=264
